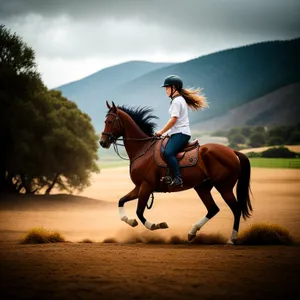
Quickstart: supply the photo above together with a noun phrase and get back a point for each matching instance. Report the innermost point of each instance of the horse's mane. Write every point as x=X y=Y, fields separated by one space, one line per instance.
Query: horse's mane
x=142 y=116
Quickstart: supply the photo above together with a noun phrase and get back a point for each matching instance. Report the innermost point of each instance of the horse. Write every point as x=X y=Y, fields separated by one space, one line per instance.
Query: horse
x=217 y=166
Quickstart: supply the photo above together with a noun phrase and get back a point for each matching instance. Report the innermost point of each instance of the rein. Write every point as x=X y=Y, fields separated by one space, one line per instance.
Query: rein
x=114 y=140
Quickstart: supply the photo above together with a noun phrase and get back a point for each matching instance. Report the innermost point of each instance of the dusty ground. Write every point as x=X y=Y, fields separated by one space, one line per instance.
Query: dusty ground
x=151 y=271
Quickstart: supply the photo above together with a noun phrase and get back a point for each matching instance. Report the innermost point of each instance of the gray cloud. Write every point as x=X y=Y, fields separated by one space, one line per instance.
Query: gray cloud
x=267 y=15
x=67 y=33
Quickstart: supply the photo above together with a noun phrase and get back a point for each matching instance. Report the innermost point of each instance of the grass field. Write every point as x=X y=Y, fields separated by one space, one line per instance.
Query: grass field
x=284 y=163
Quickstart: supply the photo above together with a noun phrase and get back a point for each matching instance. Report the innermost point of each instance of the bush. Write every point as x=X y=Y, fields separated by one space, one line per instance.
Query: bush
x=265 y=234
x=279 y=152
x=253 y=154
x=86 y=241
x=42 y=236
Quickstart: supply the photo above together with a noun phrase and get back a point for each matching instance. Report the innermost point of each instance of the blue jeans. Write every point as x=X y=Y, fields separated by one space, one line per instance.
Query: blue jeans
x=174 y=145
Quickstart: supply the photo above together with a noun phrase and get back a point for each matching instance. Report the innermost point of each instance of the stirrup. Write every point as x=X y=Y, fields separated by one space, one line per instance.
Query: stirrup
x=177 y=181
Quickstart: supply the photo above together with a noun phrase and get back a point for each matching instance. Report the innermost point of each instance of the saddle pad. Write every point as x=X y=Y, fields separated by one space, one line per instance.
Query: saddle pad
x=189 y=159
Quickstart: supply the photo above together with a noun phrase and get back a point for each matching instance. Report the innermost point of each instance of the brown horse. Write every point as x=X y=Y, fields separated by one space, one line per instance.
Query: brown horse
x=218 y=166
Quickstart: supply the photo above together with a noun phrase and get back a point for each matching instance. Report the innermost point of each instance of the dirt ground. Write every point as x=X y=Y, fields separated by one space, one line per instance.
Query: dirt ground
x=155 y=268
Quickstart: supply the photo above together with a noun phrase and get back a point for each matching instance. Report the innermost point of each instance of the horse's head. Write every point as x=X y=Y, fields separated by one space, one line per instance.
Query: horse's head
x=113 y=127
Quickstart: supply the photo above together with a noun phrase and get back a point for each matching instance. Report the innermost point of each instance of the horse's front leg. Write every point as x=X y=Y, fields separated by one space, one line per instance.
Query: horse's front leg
x=130 y=196
x=144 y=194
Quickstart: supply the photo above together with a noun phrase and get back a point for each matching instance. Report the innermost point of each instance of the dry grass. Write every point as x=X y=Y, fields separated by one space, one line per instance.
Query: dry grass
x=265 y=234
x=109 y=240
x=42 y=236
x=86 y=241
x=151 y=238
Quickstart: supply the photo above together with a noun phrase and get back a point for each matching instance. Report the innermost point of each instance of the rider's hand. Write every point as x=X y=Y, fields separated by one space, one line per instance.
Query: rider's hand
x=158 y=133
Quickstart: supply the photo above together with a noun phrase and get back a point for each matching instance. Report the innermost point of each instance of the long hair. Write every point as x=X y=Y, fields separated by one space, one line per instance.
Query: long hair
x=194 y=99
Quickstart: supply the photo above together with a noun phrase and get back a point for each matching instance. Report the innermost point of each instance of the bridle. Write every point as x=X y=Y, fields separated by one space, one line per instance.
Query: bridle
x=114 y=140
x=111 y=137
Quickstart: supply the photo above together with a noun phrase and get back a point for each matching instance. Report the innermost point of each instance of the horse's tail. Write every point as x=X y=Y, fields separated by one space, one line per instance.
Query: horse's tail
x=243 y=186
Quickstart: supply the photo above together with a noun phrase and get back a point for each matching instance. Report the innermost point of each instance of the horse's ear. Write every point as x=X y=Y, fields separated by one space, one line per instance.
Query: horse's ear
x=114 y=106
x=107 y=104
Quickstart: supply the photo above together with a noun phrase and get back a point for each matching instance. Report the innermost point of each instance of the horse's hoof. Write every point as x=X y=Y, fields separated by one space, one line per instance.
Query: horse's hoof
x=132 y=222
x=191 y=237
x=163 y=225
x=154 y=227
x=230 y=242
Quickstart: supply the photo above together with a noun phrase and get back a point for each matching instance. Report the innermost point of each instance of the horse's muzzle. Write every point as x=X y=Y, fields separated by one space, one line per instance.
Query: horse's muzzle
x=105 y=145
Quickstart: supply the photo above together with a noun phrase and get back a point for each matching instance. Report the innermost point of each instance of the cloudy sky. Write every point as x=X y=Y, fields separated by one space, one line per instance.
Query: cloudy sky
x=74 y=38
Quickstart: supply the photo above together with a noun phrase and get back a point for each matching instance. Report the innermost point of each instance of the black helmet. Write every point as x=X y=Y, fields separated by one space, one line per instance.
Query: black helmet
x=173 y=80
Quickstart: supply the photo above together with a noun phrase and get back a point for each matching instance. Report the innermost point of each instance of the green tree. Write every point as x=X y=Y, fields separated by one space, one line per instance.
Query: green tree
x=46 y=139
x=275 y=140
x=260 y=129
x=246 y=131
x=19 y=81
x=257 y=139
x=294 y=138
x=72 y=145
x=237 y=139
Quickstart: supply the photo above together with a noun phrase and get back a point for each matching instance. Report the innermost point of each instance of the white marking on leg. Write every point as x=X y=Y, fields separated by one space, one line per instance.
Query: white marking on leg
x=198 y=225
x=234 y=234
x=233 y=237
x=122 y=214
x=148 y=225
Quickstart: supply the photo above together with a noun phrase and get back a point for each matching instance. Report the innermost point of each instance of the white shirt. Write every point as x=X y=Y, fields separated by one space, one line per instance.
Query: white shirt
x=179 y=109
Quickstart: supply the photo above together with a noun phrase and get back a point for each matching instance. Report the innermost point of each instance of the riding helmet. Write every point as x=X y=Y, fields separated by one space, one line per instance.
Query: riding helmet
x=173 y=80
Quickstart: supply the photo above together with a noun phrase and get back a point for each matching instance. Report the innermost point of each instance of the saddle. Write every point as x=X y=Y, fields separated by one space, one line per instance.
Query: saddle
x=187 y=157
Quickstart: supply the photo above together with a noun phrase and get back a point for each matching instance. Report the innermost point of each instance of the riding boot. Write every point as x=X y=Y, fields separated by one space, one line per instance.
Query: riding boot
x=177 y=181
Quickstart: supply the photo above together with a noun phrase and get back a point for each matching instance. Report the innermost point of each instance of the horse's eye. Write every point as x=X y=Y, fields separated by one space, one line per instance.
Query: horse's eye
x=109 y=122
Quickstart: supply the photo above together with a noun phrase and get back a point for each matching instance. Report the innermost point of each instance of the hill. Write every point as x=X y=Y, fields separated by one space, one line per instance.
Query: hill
x=91 y=92
x=276 y=108
x=230 y=78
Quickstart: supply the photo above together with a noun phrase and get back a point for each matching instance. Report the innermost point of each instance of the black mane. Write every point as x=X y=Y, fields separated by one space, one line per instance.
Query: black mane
x=142 y=116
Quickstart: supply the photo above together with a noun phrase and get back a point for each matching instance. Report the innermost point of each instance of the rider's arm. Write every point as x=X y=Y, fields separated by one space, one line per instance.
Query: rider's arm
x=169 y=125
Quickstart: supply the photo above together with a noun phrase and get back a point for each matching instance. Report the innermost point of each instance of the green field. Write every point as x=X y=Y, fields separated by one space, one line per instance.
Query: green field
x=285 y=163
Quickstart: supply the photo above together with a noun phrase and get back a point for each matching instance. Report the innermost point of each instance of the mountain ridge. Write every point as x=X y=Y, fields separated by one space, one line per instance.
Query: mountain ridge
x=229 y=77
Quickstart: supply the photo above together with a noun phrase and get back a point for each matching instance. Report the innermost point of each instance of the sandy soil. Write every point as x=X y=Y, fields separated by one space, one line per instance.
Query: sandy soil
x=131 y=270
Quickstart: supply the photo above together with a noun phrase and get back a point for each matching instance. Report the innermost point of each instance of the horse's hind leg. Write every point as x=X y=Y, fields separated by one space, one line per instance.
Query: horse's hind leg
x=231 y=201
x=212 y=209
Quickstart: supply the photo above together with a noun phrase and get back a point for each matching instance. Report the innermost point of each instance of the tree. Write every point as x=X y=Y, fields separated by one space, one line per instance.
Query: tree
x=294 y=138
x=260 y=129
x=282 y=131
x=257 y=139
x=46 y=139
x=19 y=81
x=72 y=145
x=246 y=131
x=275 y=140
x=237 y=139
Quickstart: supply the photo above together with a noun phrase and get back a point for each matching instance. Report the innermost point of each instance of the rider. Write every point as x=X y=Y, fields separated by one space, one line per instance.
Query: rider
x=178 y=126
